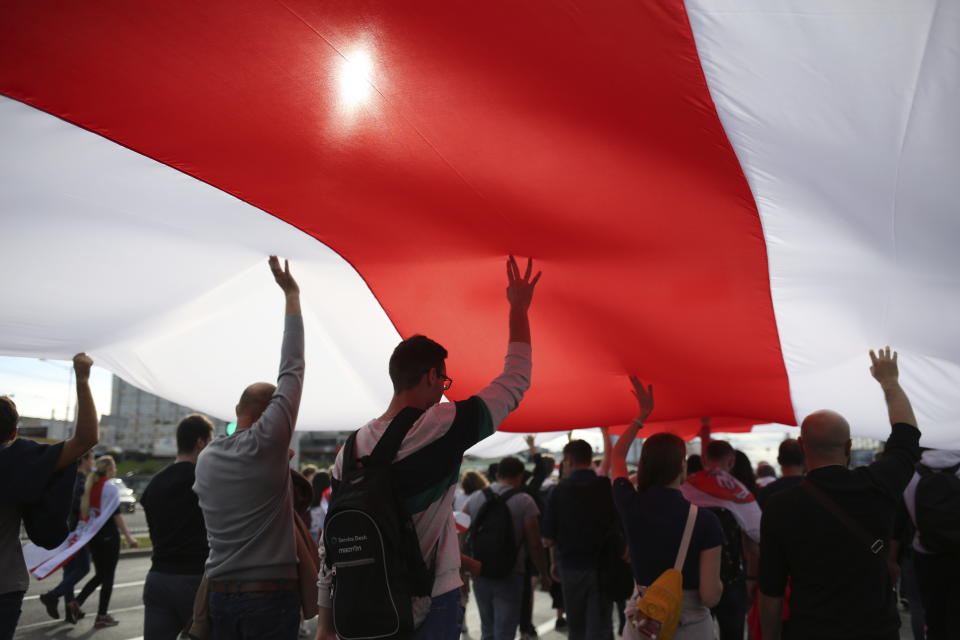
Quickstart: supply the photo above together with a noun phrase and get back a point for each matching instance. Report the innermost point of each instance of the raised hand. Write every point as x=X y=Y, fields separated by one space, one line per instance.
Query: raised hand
x=884 y=366
x=283 y=276
x=81 y=366
x=644 y=396
x=520 y=289
x=531 y=441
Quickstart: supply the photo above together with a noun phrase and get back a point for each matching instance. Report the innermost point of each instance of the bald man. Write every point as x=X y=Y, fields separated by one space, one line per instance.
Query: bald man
x=243 y=483
x=840 y=586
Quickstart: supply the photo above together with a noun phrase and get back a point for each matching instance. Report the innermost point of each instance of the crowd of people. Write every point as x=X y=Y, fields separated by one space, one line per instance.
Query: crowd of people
x=393 y=540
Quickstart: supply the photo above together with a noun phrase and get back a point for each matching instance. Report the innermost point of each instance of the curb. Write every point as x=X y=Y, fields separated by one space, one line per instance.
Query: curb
x=135 y=553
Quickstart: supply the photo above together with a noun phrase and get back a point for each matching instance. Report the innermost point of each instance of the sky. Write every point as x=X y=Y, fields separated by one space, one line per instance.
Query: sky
x=44 y=387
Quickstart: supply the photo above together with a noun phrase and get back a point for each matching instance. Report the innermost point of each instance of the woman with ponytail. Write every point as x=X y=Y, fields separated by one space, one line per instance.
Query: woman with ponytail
x=101 y=501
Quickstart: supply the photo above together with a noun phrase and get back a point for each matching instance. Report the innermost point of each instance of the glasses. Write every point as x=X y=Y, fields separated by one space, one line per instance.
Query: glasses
x=447 y=382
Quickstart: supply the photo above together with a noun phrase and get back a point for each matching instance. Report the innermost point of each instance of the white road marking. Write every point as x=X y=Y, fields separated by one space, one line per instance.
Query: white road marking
x=48 y=623
x=122 y=585
x=546 y=626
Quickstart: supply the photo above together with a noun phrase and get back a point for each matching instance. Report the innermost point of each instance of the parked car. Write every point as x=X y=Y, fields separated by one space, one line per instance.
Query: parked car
x=128 y=501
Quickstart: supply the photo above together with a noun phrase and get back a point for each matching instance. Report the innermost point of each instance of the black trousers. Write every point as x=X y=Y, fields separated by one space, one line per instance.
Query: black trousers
x=939 y=579
x=731 y=611
x=105 y=551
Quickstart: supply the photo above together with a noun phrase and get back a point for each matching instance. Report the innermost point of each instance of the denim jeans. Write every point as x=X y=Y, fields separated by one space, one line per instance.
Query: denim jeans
x=10 y=605
x=443 y=621
x=73 y=572
x=265 y=615
x=167 y=604
x=589 y=612
x=499 y=601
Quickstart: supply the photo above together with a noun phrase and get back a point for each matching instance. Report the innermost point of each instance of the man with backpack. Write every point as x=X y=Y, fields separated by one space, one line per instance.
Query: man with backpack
x=505 y=523
x=579 y=523
x=716 y=489
x=827 y=536
x=398 y=473
x=933 y=502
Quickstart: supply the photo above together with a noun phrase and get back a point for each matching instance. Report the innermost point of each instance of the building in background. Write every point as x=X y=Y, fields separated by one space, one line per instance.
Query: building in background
x=45 y=429
x=143 y=422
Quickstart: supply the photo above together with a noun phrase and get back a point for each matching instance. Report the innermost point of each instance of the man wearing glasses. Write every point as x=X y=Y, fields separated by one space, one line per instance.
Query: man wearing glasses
x=433 y=448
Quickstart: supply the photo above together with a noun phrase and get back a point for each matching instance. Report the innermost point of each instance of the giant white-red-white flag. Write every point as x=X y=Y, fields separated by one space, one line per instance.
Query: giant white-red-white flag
x=732 y=199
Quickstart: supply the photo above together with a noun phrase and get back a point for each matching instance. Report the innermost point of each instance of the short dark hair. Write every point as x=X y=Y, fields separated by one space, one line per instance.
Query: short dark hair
x=719 y=450
x=661 y=460
x=790 y=454
x=193 y=427
x=547 y=464
x=509 y=467
x=579 y=451
x=694 y=464
x=8 y=418
x=412 y=359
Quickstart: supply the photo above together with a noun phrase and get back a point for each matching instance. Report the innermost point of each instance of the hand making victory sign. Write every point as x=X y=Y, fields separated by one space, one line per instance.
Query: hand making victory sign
x=520 y=295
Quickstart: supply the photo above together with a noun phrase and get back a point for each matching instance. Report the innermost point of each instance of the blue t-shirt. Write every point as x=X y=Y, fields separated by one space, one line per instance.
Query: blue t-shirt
x=654 y=521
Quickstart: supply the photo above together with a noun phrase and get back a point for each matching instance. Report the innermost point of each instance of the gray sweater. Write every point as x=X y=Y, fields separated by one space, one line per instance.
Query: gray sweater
x=243 y=482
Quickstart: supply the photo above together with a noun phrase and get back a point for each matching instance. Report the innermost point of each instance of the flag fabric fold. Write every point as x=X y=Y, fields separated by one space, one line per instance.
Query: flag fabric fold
x=733 y=205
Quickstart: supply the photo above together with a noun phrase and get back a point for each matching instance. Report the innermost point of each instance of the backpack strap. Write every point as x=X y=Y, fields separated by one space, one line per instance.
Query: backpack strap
x=506 y=495
x=388 y=446
x=685 y=540
x=875 y=545
x=349 y=457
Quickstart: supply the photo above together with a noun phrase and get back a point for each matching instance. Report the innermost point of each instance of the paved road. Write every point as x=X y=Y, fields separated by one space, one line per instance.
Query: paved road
x=127 y=607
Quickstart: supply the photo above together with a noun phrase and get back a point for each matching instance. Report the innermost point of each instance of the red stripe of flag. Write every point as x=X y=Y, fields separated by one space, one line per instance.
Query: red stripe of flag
x=580 y=133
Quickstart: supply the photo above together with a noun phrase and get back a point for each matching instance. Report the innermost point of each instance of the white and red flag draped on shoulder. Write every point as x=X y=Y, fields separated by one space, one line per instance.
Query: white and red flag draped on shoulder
x=732 y=199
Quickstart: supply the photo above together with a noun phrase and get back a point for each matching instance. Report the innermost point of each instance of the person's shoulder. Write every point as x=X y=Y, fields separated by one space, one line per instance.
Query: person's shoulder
x=525 y=499
x=785 y=498
x=707 y=519
x=474 y=500
x=25 y=446
x=708 y=528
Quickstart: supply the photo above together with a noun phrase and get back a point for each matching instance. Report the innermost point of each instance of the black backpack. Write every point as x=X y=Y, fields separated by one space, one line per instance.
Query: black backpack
x=381 y=585
x=615 y=574
x=731 y=554
x=938 y=509
x=491 y=538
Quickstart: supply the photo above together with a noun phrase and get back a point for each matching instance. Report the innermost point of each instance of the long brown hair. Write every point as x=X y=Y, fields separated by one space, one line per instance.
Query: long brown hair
x=661 y=460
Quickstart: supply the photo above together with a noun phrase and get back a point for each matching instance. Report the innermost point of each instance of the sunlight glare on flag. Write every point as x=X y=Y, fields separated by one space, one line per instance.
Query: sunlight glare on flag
x=354 y=78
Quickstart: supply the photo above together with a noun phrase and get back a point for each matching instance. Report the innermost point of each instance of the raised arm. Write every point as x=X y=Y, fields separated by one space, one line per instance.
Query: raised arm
x=520 y=295
x=280 y=417
x=644 y=396
x=705 y=430
x=884 y=369
x=503 y=395
x=604 y=470
x=894 y=469
x=291 y=290
x=87 y=432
